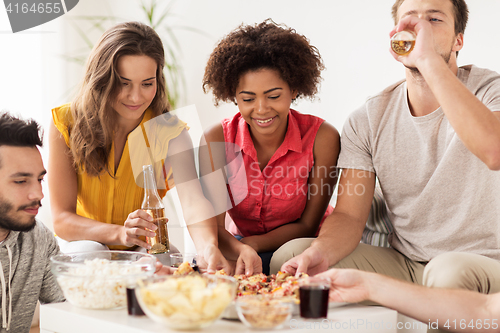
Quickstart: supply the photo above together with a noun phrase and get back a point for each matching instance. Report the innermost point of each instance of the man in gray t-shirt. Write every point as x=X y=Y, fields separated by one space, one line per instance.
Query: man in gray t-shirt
x=433 y=141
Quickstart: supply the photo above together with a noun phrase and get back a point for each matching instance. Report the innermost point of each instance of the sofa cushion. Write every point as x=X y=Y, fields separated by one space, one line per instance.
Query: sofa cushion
x=378 y=226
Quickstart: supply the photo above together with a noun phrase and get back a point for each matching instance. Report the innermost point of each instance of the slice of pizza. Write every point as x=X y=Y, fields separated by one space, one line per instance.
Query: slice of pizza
x=184 y=269
x=281 y=285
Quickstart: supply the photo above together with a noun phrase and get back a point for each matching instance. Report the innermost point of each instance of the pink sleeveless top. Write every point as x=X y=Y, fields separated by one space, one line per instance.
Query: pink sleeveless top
x=278 y=194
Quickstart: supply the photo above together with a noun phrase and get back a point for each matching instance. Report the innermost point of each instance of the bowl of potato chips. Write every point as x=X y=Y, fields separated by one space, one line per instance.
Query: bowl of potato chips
x=186 y=302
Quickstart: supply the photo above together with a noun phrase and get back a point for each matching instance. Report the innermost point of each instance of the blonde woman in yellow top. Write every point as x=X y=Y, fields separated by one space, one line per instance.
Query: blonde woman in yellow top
x=93 y=192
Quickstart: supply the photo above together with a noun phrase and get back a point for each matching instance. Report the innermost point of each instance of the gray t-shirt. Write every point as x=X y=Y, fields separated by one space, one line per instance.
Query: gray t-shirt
x=440 y=197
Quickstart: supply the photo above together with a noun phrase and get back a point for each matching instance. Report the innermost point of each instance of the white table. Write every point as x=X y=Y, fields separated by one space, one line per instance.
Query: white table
x=65 y=318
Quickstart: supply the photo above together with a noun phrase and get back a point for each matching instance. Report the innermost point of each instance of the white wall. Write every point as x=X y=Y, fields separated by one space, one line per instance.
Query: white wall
x=32 y=79
x=352 y=37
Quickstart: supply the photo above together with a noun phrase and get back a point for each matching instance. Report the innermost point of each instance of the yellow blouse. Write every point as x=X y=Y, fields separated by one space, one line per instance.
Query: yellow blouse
x=110 y=199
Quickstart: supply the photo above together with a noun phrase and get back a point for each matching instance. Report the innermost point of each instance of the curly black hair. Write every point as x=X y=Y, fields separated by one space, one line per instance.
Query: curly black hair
x=263 y=45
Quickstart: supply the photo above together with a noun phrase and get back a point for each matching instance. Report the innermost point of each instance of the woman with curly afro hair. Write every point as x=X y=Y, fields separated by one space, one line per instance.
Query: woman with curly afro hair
x=289 y=158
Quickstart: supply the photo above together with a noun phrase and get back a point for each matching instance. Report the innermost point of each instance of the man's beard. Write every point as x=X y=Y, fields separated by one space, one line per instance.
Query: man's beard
x=8 y=223
x=415 y=72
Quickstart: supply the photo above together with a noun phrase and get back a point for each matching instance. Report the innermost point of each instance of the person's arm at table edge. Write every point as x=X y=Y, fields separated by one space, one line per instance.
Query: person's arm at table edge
x=342 y=230
x=209 y=156
x=212 y=158
x=197 y=210
x=433 y=304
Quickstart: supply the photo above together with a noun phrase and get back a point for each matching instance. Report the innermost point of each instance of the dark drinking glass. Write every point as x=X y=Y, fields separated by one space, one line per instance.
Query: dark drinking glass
x=133 y=307
x=314 y=299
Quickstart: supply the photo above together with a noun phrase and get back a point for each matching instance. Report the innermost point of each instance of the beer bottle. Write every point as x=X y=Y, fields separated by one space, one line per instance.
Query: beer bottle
x=154 y=206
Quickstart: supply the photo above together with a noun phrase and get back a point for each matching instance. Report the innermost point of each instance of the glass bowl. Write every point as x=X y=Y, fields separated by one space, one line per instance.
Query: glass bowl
x=98 y=280
x=186 y=302
x=260 y=312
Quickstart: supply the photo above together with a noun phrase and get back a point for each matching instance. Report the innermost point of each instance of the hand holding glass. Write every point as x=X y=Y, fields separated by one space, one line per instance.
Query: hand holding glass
x=314 y=293
x=403 y=42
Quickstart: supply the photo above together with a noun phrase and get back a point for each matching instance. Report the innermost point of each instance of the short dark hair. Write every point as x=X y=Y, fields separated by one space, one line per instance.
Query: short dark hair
x=19 y=133
x=459 y=9
x=264 y=45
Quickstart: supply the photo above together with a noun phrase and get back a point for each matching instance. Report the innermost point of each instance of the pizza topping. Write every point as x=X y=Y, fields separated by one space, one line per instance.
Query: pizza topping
x=279 y=285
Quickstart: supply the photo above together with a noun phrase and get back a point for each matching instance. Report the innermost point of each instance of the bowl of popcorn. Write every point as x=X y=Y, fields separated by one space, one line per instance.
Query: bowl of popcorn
x=186 y=302
x=261 y=312
x=98 y=280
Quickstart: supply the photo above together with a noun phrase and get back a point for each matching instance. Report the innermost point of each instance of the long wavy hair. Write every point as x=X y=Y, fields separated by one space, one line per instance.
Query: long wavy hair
x=93 y=125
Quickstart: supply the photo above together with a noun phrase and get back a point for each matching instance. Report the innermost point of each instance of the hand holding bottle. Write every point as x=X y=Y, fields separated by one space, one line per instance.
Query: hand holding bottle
x=138 y=223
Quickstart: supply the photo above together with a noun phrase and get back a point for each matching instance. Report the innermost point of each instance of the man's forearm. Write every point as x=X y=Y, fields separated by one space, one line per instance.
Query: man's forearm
x=473 y=122
x=451 y=309
x=338 y=237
